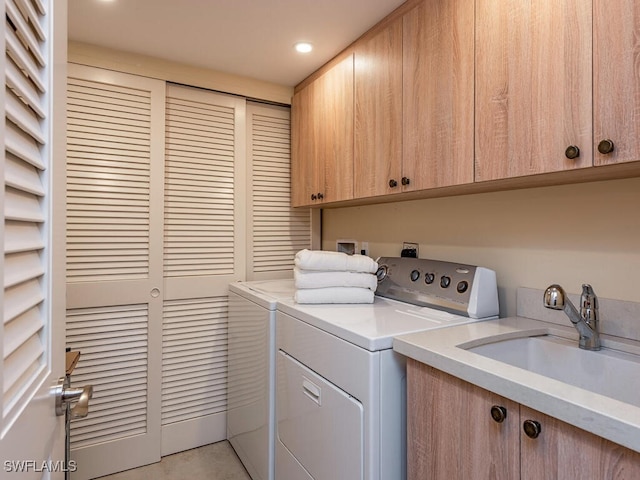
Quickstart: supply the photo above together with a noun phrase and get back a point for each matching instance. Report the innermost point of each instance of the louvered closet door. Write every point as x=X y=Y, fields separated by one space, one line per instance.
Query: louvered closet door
x=114 y=264
x=204 y=251
x=276 y=231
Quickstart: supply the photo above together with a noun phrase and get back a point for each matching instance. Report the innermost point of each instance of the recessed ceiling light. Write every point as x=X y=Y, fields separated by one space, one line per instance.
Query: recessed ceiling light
x=303 y=47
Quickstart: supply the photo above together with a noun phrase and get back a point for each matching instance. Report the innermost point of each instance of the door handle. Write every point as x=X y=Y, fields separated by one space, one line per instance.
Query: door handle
x=65 y=394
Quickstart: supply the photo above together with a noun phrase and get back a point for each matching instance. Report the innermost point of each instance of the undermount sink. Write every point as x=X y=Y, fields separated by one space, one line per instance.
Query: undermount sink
x=612 y=373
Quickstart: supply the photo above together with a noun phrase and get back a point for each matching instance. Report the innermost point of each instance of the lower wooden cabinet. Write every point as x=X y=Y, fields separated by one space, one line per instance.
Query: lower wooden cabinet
x=459 y=431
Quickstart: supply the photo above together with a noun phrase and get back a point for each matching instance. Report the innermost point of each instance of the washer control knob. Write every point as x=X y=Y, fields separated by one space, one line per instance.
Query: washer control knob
x=462 y=286
x=415 y=275
x=429 y=278
x=445 y=281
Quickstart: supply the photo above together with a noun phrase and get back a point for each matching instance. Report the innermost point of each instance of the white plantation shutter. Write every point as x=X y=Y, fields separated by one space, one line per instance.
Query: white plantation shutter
x=108 y=181
x=276 y=231
x=25 y=340
x=199 y=184
x=113 y=342
x=194 y=346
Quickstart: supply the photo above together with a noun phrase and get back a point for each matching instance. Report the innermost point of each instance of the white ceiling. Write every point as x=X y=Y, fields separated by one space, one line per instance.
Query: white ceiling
x=252 y=38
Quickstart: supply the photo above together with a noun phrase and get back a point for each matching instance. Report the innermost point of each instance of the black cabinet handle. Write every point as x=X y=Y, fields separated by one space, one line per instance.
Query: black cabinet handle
x=393 y=183
x=572 y=152
x=313 y=196
x=531 y=428
x=320 y=196
x=405 y=181
x=605 y=146
x=498 y=413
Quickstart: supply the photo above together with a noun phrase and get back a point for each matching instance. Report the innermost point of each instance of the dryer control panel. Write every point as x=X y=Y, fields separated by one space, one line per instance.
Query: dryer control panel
x=458 y=288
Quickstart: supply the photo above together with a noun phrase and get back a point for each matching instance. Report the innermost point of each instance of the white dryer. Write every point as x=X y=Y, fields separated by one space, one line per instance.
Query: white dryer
x=251 y=374
x=340 y=387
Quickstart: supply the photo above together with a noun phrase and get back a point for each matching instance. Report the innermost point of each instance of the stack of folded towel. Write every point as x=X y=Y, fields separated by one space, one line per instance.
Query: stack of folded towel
x=334 y=277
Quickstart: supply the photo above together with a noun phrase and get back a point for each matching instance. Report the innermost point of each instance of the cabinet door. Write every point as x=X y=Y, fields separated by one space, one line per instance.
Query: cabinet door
x=378 y=113
x=306 y=176
x=616 y=84
x=564 y=452
x=335 y=148
x=438 y=68
x=322 y=138
x=533 y=86
x=450 y=430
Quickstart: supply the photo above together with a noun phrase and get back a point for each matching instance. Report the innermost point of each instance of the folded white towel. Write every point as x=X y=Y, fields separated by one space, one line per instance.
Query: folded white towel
x=334 y=261
x=334 y=295
x=318 y=279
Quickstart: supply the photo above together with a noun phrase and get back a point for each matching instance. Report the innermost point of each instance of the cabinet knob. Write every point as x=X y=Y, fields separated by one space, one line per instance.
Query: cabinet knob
x=605 y=146
x=498 y=413
x=320 y=196
x=313 y=196
x=393 y=183
x=405 y=181
x=572 y=152
x=531 y=428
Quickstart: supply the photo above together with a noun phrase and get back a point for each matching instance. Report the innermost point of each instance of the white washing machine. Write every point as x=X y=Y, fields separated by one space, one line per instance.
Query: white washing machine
x=340 y=387
x=250 y=388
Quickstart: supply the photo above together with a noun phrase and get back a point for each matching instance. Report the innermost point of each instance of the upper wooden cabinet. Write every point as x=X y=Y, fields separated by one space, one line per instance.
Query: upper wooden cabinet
x=306 y=175
x=455 y=93
x=616 y=29
x=533 y=87
x=438 y=72
x=322 y=138
x=378 y=113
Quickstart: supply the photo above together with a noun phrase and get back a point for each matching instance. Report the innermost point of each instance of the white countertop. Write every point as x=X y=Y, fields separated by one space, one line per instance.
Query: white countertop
x=606 y=417
x=371 y=326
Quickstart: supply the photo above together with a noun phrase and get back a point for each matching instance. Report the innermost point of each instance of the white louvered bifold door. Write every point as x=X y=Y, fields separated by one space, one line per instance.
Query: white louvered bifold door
x=204 y=251
x=114 y=264
x=32 y=298
x=275 y=230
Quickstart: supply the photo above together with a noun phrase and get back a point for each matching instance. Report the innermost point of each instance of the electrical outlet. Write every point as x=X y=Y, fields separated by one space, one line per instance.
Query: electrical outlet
x=347 y=246
x=409 y=249
x=364 y=248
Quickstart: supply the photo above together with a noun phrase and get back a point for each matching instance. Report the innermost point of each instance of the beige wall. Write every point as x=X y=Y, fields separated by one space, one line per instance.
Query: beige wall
x=571 y=234
x=142 y=65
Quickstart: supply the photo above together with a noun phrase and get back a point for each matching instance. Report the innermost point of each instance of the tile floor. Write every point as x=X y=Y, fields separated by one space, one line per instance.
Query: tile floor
x=217 y=461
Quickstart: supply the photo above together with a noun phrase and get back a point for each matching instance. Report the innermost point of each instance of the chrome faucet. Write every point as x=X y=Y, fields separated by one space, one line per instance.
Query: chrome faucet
x=585 y=321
